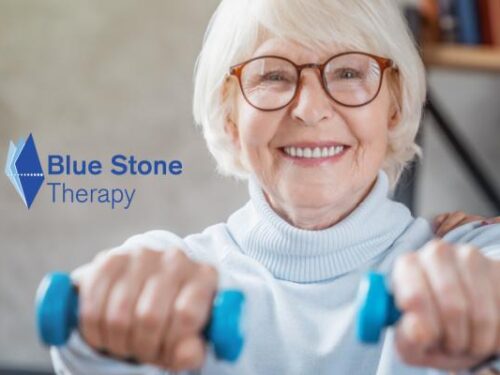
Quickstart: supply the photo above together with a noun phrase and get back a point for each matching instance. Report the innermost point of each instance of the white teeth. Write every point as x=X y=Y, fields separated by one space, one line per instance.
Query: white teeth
x=313 y=153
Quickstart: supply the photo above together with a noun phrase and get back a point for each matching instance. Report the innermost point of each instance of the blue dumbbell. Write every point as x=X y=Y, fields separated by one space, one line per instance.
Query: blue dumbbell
x=376 y=309
x=57 y=316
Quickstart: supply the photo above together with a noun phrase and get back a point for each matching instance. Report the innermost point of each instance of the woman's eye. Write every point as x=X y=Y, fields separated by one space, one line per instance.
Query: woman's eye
x=347 y=74
x=274 y=77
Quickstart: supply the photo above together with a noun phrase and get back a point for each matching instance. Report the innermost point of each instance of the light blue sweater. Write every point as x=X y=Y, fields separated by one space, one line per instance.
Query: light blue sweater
x=300 y=287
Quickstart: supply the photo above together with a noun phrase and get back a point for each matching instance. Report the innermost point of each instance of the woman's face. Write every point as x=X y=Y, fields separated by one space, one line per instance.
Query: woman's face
x=313 y=193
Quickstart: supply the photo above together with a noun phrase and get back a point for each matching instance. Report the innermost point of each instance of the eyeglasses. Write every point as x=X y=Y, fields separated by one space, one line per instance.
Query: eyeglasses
x=352 y=79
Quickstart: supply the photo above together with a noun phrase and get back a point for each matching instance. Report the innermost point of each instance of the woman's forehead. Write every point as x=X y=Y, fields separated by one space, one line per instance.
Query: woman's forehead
x=297 y=52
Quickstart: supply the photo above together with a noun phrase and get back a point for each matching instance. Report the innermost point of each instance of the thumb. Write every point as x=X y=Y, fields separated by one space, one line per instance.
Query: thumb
x=79 y=273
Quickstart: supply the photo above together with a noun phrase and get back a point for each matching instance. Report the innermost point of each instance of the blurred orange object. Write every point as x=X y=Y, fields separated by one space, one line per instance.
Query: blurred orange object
x=429 y=9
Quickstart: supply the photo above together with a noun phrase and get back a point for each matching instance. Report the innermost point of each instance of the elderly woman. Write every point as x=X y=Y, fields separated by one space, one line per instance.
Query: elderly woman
x=317 y=104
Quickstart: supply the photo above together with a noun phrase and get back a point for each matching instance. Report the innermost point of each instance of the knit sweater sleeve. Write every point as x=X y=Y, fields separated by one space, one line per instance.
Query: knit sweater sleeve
x=78 y=358
x=485 y=237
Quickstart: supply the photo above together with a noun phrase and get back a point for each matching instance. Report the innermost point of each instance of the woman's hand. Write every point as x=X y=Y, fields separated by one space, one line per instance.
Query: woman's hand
x=443 y=223
x=147 y=304
x=450 y=298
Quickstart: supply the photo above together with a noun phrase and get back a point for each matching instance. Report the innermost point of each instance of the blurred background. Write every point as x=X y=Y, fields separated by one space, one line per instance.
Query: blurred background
x=95 y=78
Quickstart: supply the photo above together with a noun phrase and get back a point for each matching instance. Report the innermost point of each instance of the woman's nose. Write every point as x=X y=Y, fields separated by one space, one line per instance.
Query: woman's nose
x=311 y=104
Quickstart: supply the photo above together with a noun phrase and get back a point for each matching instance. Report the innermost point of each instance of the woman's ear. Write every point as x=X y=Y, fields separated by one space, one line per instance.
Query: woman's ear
x=395 y=117
x=230 y=126
x=232 y=129
x=395 y=95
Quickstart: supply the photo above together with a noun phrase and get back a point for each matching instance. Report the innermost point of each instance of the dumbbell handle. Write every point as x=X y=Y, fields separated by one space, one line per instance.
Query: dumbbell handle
x=57 y=315
x=376 y=308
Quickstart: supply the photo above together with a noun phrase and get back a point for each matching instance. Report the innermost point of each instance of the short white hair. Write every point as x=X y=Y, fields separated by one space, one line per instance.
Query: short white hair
x=375 y=26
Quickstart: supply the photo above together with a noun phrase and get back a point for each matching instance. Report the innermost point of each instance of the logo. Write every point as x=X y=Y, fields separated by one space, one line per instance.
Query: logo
x=24 y=169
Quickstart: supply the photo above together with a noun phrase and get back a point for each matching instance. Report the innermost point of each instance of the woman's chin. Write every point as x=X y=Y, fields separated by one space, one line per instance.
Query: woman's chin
x=322 y=181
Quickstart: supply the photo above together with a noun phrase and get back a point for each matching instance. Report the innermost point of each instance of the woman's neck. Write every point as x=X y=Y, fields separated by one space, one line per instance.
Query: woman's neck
x=300 y=255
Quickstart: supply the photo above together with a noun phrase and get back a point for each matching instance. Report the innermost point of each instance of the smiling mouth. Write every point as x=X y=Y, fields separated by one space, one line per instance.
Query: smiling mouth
x=314 y=152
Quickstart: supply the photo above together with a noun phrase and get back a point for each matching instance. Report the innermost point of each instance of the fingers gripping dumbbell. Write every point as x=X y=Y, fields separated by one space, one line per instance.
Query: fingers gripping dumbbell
x=57 y=316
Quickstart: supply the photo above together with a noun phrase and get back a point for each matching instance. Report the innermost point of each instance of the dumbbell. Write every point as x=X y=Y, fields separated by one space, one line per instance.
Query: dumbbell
x=376 y=308
x=57 y=315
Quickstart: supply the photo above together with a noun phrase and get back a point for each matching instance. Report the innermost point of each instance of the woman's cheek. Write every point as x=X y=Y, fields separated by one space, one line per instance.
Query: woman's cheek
x=369 y=156
x=257 y=133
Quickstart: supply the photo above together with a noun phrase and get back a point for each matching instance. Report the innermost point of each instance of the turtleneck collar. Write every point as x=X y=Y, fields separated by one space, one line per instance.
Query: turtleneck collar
x=300 y=255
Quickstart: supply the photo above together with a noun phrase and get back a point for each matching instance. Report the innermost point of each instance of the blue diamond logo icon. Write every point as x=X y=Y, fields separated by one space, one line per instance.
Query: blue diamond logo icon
x=24 y=170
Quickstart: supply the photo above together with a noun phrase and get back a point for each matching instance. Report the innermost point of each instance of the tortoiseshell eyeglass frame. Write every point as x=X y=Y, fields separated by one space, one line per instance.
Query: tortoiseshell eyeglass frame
x=383 y=63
